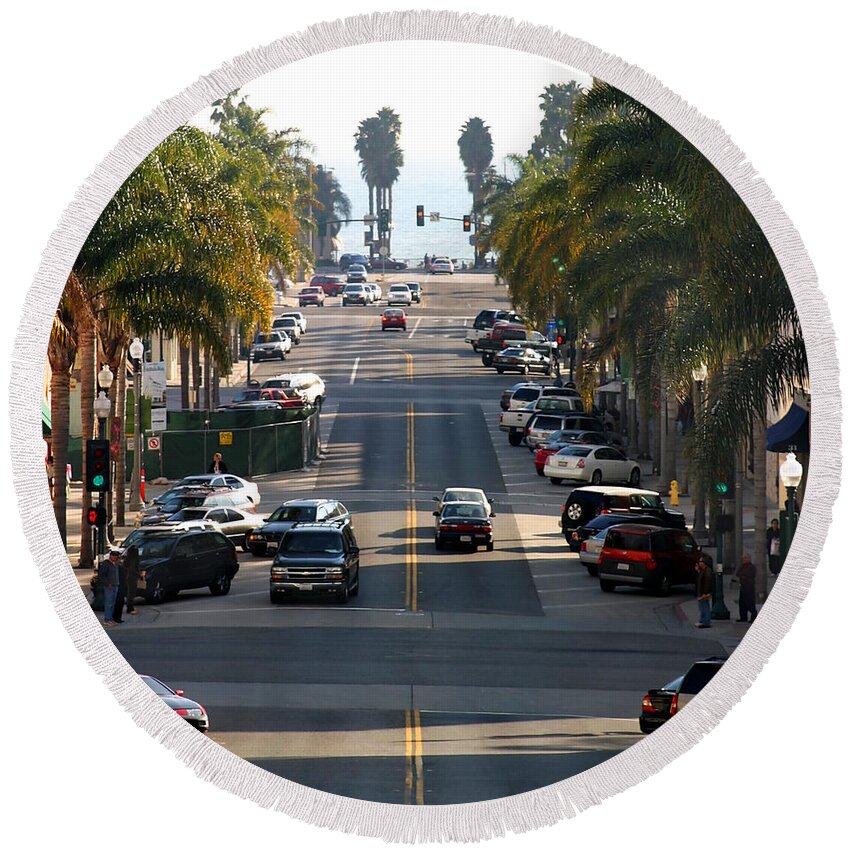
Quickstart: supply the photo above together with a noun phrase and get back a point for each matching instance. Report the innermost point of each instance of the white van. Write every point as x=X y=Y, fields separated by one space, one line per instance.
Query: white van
x=307 y=384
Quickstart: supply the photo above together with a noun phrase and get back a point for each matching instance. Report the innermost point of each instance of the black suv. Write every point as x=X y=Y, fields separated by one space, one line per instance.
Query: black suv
x=584 y=503
x=485 y=320
x=172 y=562
x=296 y=510
x=316 y=559
x=660 y=704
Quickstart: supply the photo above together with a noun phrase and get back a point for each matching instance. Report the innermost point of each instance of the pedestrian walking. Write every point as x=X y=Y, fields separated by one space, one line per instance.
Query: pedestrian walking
x=108 y=575
x=746 y=575
x=426 y=262
x=132 y=569
x=218 y=465
x=705 y=582
x=121 y=595
x=50 y=467
x=774 y=560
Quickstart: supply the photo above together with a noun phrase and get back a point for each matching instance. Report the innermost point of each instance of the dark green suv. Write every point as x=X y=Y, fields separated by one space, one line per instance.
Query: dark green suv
x=316 y=560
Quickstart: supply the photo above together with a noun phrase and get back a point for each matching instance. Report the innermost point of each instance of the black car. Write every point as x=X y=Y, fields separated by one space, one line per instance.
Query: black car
x=522 y=360
x=584 y=503
x=660 y=704
x=577 y=536
x=347 y=260
x=380 y=263
x=296 y=510
x=318 y=560
x=171 y=562
x=466 y=523
x=192 y=712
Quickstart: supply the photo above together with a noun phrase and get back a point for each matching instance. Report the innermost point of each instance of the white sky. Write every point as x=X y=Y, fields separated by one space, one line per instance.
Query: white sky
x=434 y=87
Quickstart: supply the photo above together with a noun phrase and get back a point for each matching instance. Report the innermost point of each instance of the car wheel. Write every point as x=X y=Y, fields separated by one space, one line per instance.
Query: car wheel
x=663 y=586
x=540 y=472
x=500 y=370
x=606 y=586
x=557 y=481
x=275 y=598
x=342 y=598
x=245 y=547
x=258 y=551
x=355 y=591
x=438 y=542
x=487 y=358
x=634 y=478
x=575 y=513
x=596 y=478
x=221 y=586
x=514 y=437
x=490 y=547
x=155 y=595
x=592 y=570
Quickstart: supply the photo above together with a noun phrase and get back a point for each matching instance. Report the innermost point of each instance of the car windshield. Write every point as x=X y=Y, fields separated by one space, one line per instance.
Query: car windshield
x=310 y=290
x=356 y=288
x=188 y=514
x=459 y=509
x=151 y=548
x=575 y=451
x=157 y=687
x=512 y=352
x=399 y=288
x=393 y=314
x=627 y=540
x=286 y=322
x=413 y=286
x=323 y=542
x=294 y=513
x=462 y=496
x=263 y=338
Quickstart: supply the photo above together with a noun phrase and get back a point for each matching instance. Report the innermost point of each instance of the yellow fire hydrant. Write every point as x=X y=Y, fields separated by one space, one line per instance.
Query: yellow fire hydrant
x=674 y=492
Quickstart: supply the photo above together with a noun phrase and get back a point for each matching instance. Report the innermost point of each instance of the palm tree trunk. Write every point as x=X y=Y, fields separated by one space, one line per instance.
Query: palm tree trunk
x=60 y=386
x=120 y=483
x=759 y=553
x=88 y=367
x=216 y=385
x=670 y=412
x=390 y=207
x=184 y=375
x=196 y=373
x=207 y=382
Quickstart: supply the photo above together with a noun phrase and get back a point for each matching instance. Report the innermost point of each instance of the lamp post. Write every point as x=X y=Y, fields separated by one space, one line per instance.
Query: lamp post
x=699 y=374
x=791 y=473
x=102 y=408
x=137 y=351
x=104 y=380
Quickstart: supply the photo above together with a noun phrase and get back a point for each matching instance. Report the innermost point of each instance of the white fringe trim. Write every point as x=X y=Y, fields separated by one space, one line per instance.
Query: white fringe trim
x=476 y=821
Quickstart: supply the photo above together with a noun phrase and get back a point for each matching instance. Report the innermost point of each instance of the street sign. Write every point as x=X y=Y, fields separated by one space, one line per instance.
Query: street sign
x=434 y=216
x=551 y=330
x=158 y=419
x=153 y=444
x=472 y=240
x=225 y=438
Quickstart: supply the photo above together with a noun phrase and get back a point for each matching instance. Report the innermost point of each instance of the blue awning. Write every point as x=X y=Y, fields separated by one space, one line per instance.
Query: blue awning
x=791 y=433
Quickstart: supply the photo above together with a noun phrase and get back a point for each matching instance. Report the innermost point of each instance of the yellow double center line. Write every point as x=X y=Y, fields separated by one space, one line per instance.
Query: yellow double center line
x=411 y=579
x=414 y=775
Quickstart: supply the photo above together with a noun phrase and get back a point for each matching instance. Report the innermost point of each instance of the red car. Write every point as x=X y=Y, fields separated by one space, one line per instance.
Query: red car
x=540 y=455
x=311 y=295
x=394 y=318
x=331 y=286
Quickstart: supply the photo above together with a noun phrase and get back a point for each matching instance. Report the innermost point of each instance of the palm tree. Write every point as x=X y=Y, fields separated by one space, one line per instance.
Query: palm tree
x=332 y=204
x=476 y=153
x=557 y=125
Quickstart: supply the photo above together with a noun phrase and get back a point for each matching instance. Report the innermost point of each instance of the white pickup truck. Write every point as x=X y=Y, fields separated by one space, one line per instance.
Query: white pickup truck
x=483 y=324
x=514 y=421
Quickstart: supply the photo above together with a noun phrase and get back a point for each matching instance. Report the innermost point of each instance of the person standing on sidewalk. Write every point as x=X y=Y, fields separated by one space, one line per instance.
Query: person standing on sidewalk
x=705 y=582
x=131 y=567
x=108 y=575
x=773 y=557
x=118 y=612
x=746 y=575
x=218 y=466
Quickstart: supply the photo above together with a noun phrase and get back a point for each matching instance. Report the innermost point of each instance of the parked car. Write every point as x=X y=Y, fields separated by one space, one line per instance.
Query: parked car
x=235 y=524
x=311 y=295
x=466 y=523
x=270 y=346
x=387 y=263
x=660 y=704
x=590 y=550
x=525 y=392
x=331 y=285
x=298 y=316
x=377 y=292
x=192 y=712
x=347 y=260
x=648 y=556
x=357 y=273
x=399 y=293
x=308 y=385
x=394 y=318
x=544 y=424
x=516 y=422
x=522 y=360
x=584 y=503
x=594 y=464
x=543 y=441
x=483 y=323
x=603 y=522
x=442 y=265
x=169 y=563
x=464 y=494
x=316 y=559
x=290 y=324
x=194 y=497
x=219 y=479
x=415 y=290
x=268 y=399
x=313 y=511
x=355 y=293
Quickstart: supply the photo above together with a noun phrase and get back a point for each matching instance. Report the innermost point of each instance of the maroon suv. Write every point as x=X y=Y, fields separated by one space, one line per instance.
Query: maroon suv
x=331 y=285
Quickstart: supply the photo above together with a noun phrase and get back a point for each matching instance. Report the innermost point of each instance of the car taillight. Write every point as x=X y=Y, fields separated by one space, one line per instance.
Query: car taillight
x=580 y=464
x=603 y=511
x=583 y=544
x=647 y=705
x=574 y=535
x=651 y=564
x=674 y=704
x=501 y=418
x=183 y=712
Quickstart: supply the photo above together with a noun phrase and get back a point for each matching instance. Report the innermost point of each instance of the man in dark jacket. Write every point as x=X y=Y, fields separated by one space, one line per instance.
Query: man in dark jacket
x=218 y=466
x=131 y=567
x=774 y=559
x=746 y=575
x=705 y=585
x=107 y=572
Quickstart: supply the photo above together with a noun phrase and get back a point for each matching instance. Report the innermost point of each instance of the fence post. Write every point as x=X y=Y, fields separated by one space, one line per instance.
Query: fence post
x=250 y=452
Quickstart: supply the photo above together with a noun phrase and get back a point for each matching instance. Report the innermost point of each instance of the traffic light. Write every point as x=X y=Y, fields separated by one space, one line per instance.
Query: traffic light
x=97 y=466
x=467 y=223
x=561 y=339
x=724 y=486
x=420 y=216
x=383 y=221
x=96 y=515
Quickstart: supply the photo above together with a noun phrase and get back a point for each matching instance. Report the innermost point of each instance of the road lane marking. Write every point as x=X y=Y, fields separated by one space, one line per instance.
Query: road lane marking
x=415 y=328
x=411 y=559
x=414 y=774
x=354 y=371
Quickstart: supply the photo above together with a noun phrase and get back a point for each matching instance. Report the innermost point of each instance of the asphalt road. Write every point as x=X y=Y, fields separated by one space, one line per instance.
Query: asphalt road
x=454 y=676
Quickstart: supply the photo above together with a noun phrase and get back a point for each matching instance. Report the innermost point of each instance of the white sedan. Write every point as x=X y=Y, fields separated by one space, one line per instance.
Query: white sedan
x=399 y=293
x=594 y=464
x=234 y=482
x=464 y=494
x=298 y=316
x=442 y=265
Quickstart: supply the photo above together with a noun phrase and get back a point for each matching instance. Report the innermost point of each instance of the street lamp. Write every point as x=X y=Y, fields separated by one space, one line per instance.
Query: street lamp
x=791 y=473
x=102 y=407
x=699 y=374
x=137 y=351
